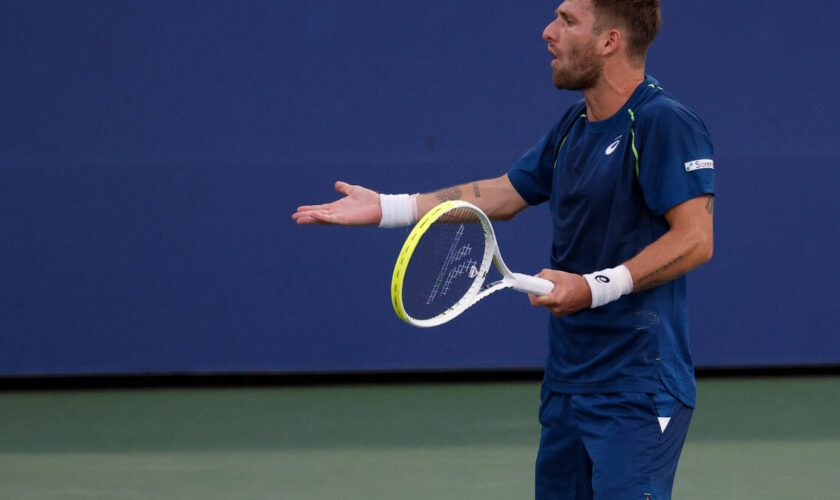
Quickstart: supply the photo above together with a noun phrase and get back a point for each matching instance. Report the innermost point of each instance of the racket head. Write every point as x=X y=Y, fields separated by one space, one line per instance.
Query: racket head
x=443 y=264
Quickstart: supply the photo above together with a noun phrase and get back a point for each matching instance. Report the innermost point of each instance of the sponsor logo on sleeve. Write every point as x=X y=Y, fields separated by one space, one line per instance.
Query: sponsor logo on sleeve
x=691 y=166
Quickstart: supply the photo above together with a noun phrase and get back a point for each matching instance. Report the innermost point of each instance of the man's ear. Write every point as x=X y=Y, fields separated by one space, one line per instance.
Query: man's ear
x=611 y=42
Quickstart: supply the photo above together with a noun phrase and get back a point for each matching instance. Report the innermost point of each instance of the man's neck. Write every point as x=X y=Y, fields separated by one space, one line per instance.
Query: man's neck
x=611 y=93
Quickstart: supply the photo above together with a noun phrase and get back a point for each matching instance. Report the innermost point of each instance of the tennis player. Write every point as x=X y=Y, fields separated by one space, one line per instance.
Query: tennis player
x=628 y=173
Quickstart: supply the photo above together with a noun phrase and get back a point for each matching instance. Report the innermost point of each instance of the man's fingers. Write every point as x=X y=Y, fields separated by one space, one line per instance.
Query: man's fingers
x=316 y=217
x=537 y=300
x=325 y=218
x=342 y=187
x=306 y=212
x=305 y=219
x=306 y=208
x=550 y=299
x=540 y=300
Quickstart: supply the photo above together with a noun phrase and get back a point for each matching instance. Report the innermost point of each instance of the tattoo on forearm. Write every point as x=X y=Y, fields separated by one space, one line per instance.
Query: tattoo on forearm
x=645 y=282
x=453 y=193
x=710 y=205
x=476 y=192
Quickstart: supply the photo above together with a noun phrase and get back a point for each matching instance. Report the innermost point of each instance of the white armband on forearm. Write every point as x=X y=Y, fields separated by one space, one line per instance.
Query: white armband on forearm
x=398 y=210
x=609 y=285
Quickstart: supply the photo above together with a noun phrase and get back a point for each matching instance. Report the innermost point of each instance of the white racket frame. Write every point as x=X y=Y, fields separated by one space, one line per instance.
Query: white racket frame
x=517 y=281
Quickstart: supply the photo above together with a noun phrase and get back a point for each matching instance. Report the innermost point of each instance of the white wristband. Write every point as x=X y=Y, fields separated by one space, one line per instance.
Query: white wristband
x=398 y=210
x=609 y=285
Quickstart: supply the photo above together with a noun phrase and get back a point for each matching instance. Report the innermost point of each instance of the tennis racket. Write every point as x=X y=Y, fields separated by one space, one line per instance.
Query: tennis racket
x=444 y=263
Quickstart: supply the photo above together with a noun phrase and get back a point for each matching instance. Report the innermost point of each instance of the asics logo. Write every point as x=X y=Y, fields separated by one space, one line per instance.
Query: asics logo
x=612 y=147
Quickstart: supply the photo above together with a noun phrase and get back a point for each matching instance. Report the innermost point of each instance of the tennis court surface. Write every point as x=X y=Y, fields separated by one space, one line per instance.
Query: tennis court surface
x=751 y=438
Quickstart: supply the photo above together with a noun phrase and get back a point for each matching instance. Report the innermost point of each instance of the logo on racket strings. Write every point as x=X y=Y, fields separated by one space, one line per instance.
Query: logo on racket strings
x=454 y=266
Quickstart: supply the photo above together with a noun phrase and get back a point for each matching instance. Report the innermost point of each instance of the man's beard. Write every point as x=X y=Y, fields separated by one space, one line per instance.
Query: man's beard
x=580 y=71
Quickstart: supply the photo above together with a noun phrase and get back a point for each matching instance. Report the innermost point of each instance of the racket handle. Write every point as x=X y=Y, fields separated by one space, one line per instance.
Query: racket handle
x=531 y=284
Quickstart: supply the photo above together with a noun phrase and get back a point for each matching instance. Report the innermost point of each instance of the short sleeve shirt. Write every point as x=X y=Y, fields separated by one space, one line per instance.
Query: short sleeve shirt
x=609 y=185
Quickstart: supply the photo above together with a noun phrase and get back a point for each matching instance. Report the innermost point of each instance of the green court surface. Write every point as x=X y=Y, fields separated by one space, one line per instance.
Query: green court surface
x=750 y=438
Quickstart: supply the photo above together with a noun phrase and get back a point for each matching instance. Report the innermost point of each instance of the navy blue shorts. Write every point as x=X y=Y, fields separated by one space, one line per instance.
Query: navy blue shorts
x=607 y=447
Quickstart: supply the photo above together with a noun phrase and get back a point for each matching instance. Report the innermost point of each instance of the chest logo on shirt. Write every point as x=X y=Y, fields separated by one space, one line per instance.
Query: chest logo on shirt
x=612 y=147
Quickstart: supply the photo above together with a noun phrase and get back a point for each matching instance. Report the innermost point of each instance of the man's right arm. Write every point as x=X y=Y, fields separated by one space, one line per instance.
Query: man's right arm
x=361 y=206
x=495 y=197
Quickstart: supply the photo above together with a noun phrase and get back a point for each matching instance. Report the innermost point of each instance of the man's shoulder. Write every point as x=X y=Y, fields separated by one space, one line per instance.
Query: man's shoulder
x=570 y=116
x=573 y=112
x=579 y=106
x=663 y=109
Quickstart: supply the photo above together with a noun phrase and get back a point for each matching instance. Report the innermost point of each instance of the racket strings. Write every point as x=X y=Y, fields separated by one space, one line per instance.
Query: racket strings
x=445 y=264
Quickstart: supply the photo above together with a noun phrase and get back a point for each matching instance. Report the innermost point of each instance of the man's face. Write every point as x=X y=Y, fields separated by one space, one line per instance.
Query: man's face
x=572 y=41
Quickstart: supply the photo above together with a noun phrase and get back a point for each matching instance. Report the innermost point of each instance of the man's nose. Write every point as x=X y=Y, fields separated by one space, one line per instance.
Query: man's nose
x=548 y=33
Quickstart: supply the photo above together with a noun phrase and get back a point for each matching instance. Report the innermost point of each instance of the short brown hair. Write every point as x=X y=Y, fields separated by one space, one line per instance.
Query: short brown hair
x=641 y=18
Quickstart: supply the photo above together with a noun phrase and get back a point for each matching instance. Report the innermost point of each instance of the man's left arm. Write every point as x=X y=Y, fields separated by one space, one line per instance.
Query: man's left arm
x=687 y=244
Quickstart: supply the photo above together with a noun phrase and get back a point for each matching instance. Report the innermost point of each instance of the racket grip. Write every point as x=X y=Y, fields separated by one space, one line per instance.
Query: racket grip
x=531 y=284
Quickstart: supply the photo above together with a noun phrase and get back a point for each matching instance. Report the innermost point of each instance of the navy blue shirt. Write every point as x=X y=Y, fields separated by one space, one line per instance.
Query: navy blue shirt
x=609 y=184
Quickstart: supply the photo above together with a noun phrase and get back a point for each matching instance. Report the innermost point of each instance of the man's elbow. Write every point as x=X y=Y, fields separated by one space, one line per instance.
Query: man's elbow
x=705 y=250
x=700 y=246
x=508 y=210
x=708 y=252
x=504 y=215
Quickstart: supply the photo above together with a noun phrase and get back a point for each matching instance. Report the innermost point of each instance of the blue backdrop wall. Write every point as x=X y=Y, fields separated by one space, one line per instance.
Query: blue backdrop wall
x=152 y=153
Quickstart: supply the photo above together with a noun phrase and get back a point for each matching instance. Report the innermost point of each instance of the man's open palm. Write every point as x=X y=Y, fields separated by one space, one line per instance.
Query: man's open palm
x=359 y=207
